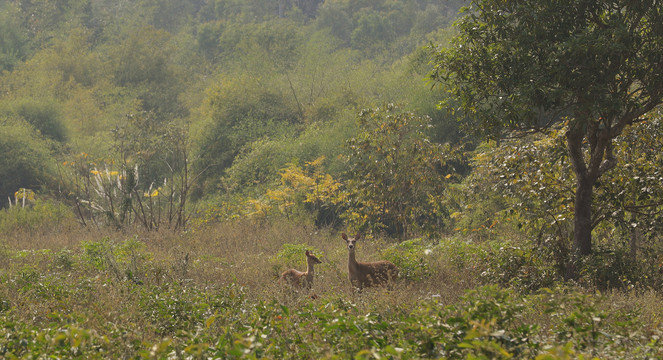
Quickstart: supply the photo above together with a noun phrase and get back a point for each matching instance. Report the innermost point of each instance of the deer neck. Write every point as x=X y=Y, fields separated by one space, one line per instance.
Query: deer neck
x=352 y=262
x=309 y=269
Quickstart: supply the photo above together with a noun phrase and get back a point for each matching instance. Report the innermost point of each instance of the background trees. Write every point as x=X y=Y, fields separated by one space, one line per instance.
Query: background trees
x=525 y=65
x=240 y=112
x=43 y=116
x=243 y=88
x=13 y=37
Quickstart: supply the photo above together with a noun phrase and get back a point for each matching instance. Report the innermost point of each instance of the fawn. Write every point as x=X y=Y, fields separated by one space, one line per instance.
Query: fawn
x=300 y=279
x=363 y=274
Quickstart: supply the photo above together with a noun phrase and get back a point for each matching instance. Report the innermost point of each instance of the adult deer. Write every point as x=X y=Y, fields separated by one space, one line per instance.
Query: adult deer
x=300 y=279
x=366 y=274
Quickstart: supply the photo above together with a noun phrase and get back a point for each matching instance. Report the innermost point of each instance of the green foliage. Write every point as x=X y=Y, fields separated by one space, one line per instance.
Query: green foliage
x=396 y=176
x=584 y=322
x=71 y=58
x=530 y=191
x=64 y=260
x=435 y=16
x=263 y=49
x=43 y=115
x=245 y=10
x=96 y=253
x=237 y=116
x=533 y=191
x=258 y=166
x=13 y=37
x=485 y=325
x=501 y=82
x=384 y=28
x=524 y=268
x=142 y=58
x=333 y=17
x=532 y=64
x=68 y=341
x=169 y=15
x=421 y=98
x=463 y=254
x=613 y=266
x=43 y=18
x=291 y=254
x=217 y=208
x=277 y=86
x=27 y=277
x=370 y=29
x=412 y=257
x=171 y=310
x=630 y=196
x=251 y=183
x=275 y=44
x=39 y=217
x=208 y=36
x=26 y=162
x=142 y=62
x=125 y=260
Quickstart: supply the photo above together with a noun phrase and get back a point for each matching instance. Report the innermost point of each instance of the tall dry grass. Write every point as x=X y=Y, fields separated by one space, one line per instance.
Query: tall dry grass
x=138 y=288
x=239 y=253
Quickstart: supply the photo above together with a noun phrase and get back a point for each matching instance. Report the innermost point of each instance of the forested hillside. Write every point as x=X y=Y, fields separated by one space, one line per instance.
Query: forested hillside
x=142 y=82
x=165 y=161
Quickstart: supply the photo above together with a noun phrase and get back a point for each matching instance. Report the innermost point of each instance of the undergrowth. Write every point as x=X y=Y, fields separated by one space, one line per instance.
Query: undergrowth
x=213 y=294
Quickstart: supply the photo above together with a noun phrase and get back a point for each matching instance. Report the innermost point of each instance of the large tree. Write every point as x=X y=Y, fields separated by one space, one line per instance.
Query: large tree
x=527 y=64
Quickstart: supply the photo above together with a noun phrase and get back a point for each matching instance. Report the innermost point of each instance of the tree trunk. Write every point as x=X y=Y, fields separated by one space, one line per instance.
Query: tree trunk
x=582 y=222
x=582 y=227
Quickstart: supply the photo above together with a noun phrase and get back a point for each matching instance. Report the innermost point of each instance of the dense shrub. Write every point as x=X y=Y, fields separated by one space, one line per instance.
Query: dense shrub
x=520 y=267
x=44 y=116
x=26 y=160
x=240 y=112
x=395 y=177
x=412 y=257
x=126 y=260
x=612 y=266
x=41 y=216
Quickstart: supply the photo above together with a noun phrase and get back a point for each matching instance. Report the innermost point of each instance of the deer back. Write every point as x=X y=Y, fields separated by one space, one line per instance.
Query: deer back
x=372 y=273
x=294 y=278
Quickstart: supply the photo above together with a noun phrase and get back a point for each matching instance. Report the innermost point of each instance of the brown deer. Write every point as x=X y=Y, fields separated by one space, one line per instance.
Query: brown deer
x=298 y=279
x=368 y=274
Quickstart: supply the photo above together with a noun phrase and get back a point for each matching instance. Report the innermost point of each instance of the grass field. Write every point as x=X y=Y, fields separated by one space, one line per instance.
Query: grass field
x=212 y=293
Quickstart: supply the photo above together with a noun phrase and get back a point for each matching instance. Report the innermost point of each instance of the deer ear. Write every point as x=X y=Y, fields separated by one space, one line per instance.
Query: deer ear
x=358 y=236
x=308 y=252
x=345 y=237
